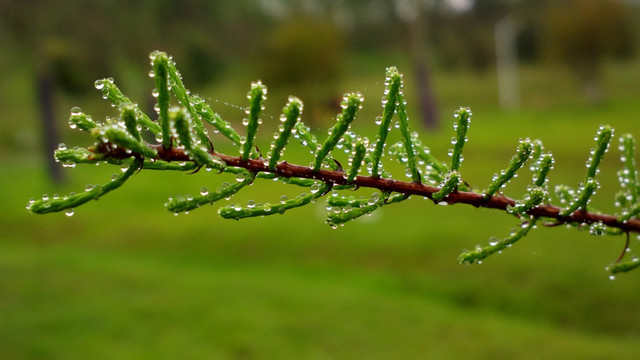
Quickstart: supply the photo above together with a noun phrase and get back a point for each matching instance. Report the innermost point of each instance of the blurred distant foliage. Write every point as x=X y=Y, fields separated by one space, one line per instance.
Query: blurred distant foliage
x=73 y=39
x=583 y=33
x=305 y=54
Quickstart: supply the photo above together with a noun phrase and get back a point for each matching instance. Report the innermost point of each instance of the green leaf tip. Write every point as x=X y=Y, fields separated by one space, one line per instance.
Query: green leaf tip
x=192 y=147
x=393 y=88
x=238 y=212
x=118 y=135
x=185 y=203
x=207 y=114
x=346 y=210
x=495 y=245
x=627 y=198
x=517 y=161
x=350 y=105
x=602 y=138
x=357 y=157
x=112 y=93
x=80 y=120
x=460 y=126
x=71 y=157
x=542 y=167
x=450 y=184
x=128 y=115
x=257 y=95
x=92 y=192
x=534 y=197
x=290 y=117
x=160 y=62
x=584 y=193
x=623 y=266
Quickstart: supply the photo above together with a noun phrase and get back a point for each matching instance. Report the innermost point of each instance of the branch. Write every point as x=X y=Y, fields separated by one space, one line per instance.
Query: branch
x=184 y=145
x=337 y=177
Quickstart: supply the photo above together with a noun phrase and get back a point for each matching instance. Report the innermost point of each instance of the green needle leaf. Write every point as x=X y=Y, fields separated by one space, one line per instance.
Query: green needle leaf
x=160 y=62
x=117 y=135
x=424 y=154
x=307 y=139
x=70 y=157
x=534 y=197
x=461 y=126
x=603 y=137
x=47 y=205
x=185 y=203
x=128 y=114
x=290 y=116
x=358 y=156
x=182 y=94
x=238 y=212
x=393 y=87
x=584 y=194
x=450 y=184
x=407 y=139
x=81 y=121
x=111 y=92
x=256 y=96
x=495 y=246
x=542 y=168
x=628 y=176
x=350 y=105
x=565 y=194
x=196 y=151
x=623 y=266
x=205 y=111
x=355 y=209
x=517 y=161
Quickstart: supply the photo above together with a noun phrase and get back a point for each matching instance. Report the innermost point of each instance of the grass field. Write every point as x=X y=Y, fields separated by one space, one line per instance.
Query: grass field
x=125 y=279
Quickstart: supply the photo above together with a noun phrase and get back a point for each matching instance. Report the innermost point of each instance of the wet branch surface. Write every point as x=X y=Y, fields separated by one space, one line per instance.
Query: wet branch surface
x=338 y=177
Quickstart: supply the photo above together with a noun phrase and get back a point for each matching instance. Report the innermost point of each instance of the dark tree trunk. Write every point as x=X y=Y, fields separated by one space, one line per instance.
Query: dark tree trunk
x=428 y=106
x=50 y=135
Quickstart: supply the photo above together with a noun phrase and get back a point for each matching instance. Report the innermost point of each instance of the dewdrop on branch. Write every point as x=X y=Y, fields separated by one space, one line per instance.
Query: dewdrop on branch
x=183 y=144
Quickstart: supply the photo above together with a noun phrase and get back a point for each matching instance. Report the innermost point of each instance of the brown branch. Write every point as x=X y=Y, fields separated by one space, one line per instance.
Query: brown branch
x=338 y=177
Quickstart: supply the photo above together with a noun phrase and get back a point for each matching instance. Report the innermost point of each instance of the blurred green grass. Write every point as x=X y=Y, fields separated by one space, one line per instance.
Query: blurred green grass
x=123 y=278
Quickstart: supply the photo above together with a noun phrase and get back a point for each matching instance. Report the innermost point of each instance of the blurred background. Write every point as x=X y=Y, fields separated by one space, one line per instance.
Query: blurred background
x=123 y=278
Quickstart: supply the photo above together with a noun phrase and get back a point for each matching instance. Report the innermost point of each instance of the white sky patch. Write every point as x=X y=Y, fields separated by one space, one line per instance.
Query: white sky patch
x=460 y=5
x=274 y=8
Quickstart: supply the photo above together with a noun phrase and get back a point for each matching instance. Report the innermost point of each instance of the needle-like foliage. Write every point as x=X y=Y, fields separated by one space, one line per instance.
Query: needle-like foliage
x=183 y=144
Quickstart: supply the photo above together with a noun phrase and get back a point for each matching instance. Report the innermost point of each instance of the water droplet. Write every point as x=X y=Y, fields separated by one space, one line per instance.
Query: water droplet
x=284 y=199
x=204 y=191
x=69 y=164
x=69 y=212
x=251 y=204
x=99 y=84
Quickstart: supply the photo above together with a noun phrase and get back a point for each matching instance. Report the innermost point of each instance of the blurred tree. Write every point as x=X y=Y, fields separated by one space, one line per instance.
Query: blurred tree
x=594 y=31
x=465 y=38
x=305 y=54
